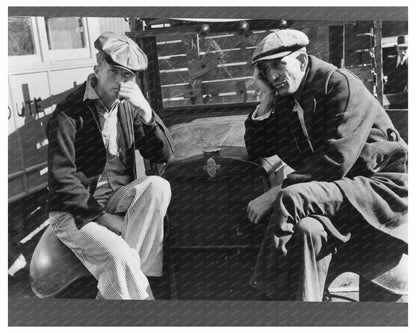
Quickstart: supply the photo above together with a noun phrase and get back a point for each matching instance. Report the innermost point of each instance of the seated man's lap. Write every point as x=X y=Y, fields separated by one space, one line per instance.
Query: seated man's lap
x=92 y=243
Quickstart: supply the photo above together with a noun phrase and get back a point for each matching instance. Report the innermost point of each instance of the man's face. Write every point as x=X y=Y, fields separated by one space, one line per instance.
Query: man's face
x=284 y=74
x=110 y=77
x=402 y=51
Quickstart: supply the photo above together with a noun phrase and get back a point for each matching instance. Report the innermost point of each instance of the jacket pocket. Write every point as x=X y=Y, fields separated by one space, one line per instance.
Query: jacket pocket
x=386 y=156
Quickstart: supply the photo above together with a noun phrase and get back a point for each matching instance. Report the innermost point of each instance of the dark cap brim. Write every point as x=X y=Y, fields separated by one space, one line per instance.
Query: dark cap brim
x=125 y=68
x=111 y=62
x=272 y=56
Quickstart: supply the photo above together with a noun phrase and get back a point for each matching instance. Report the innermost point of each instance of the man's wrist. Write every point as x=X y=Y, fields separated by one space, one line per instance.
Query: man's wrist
x=265 y=106
x=262 y=111
x=102 y=218
x=147 y=116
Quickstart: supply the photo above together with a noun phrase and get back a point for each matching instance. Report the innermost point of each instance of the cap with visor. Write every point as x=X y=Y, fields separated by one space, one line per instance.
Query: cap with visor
x=121 y=52
x=279 y=44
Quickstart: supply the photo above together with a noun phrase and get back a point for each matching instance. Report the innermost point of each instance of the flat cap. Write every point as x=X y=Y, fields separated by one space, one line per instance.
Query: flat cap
x=121 y=51
x=279 y=44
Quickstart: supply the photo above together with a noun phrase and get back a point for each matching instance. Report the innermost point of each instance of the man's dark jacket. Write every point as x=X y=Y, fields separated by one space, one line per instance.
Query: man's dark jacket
x=397 y=79
x=77 y=155
x=352 y=143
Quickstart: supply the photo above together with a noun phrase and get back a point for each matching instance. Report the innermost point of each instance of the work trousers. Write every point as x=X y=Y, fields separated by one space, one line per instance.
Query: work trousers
x=322 y=223
x=121 y=263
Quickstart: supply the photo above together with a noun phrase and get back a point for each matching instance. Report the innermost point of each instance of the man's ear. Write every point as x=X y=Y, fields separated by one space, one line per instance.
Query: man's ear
x=96 y=71
x=303 y=59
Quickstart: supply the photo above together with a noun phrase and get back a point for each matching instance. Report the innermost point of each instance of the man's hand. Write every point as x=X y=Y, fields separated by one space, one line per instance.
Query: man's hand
x=112 y=222
x=267 y=92
x=131 y=92
x=262 y=206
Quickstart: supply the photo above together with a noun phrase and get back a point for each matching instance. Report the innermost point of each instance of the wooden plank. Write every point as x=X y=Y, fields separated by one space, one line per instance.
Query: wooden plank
x=216 y=88
x=173 y=62
x=171 y=49
x=378 y=52
x=174 y=77
x=207 y=100
x=182 y=30
x=238 y=40
x=217 y=43
x=174 y=91
x=201 y=66
x=217 y=27
x=168 y=37
x=228 y=72
x=355 y=44
x=151 y=80
x=239 y=55
x=229 y=99
x=192 y=52
x=177 y=103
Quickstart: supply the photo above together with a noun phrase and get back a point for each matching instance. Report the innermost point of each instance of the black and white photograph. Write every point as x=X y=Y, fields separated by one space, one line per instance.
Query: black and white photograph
x=236 y=166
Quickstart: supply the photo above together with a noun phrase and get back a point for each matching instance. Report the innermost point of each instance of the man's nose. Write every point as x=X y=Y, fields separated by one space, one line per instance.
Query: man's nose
x=274 y=75
x=119 y=78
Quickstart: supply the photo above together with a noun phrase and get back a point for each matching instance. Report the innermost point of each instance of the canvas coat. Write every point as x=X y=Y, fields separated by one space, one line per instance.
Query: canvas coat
x=77 y=155
x=347 y=138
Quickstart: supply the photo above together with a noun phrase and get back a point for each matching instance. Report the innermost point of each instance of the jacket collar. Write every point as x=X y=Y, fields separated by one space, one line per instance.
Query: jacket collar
x=89 y=88
x=319 y=74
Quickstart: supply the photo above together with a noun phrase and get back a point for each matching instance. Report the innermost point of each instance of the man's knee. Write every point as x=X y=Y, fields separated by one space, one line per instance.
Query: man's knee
x=311 y=228
x=120 y=255
x=158 y=187
x=310 y=235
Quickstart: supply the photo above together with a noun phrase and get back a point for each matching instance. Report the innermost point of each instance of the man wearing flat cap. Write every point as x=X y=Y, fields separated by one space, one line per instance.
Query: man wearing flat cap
x=348 y=189
x=110 y=219
x=397 y=79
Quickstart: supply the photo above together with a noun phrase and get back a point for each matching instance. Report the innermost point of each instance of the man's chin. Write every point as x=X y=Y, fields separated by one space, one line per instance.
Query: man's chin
x=282 y=92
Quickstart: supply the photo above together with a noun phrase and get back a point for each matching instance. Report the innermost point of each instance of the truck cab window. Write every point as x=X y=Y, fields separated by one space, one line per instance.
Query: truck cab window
x=20 y=39
x=65 y=33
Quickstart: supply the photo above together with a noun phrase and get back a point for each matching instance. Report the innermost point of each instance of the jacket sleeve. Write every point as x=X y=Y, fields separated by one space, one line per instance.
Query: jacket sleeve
x=153 y=140
x=67 y=187
x=349 y=116
x=260 y=137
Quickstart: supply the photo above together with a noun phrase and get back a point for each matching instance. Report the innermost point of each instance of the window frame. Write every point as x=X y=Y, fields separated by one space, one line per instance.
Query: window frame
x=67 y=54
x=16 y=60
x=43 y=57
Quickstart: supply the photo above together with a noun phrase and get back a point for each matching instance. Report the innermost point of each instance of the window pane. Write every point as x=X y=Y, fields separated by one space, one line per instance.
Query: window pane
x=20 y=36
x=65 y=33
